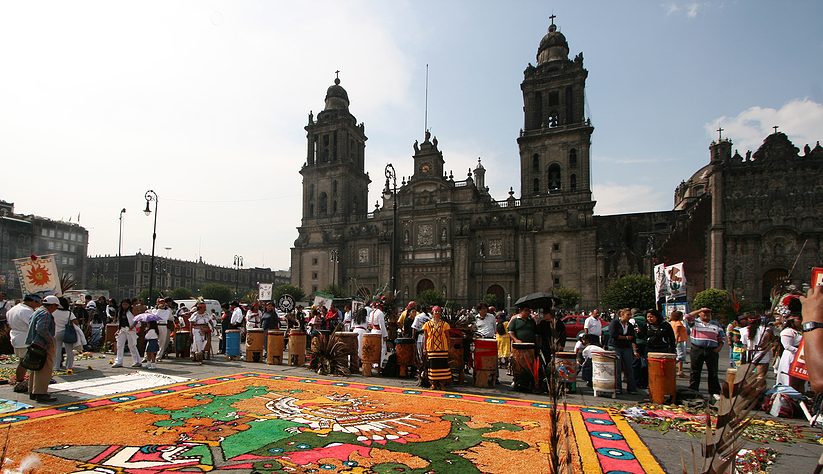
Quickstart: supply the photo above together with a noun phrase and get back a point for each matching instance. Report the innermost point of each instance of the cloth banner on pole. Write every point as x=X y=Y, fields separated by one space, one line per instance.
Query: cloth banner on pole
x=323 y=299
x=676 y=280
x=38 y=274
x=264 y=291
x=659 y=280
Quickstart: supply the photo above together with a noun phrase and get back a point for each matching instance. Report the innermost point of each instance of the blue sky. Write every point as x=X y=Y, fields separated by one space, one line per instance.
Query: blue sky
x=205 y=101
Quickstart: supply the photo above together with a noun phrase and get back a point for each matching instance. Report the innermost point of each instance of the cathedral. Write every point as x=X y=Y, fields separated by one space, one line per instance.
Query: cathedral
x=437 y=231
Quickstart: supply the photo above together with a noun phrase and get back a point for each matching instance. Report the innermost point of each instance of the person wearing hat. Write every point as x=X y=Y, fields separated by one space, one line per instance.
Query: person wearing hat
x=19 y=317
x=41 y=333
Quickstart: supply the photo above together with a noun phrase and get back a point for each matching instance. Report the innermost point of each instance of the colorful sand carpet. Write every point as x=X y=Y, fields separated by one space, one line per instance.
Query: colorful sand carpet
x=253 y=422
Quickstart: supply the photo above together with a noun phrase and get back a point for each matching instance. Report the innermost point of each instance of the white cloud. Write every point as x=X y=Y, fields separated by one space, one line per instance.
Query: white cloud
x=615 y=198
x=691 y=10
x=800 y=119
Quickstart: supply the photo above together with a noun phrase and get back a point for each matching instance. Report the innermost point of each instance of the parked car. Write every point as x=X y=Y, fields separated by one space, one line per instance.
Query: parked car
x=574 y=324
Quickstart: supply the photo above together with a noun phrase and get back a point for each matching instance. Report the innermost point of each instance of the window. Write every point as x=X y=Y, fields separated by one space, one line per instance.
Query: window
x=556 y=264
x=145 y=267
x=44 y=232
x=536 y=162
x=72 y=248
x=314 y=275
x=557 y=282
x=554 y=98
x=536 y=187
x=71 y=260
x=59 y=234
x=188 y=271
x=324 y=203
x=573 y=182
x=314 y=261
x=314 y=288
x=573 y=158
x=64 y=260
x=51 y=233
x=556 y=246
x=65 y=247
x=50 y=245
x=554 y=177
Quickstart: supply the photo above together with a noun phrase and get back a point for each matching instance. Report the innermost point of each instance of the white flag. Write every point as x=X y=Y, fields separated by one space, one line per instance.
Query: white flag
x=676 y=280
x=264 y=291
x=660 y=283
x=38 y=274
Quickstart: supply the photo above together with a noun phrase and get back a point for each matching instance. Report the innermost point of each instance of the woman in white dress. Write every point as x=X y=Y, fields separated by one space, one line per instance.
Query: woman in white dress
x=757 y=345
x=377 y=325
x=359 y=325
x=790 y=339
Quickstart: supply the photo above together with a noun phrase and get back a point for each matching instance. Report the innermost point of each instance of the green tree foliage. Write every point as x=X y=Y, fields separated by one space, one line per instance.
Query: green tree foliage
x=215 y=291
x=294 y=291
x=492 y=300
x=569 y=297
x=714 y=299
x=143 y=296
x=336 y=290
x=630 y=291
x=181 y=294
x=431 y=297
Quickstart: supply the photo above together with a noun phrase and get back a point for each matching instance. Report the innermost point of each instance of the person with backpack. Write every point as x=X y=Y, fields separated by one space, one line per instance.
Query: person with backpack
x=65 y=334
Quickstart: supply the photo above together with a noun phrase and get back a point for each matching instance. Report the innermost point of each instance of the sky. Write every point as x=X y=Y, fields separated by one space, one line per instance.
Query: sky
x=204 y=102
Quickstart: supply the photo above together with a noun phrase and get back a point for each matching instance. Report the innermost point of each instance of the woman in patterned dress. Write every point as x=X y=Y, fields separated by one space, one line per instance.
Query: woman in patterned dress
x=436 y=342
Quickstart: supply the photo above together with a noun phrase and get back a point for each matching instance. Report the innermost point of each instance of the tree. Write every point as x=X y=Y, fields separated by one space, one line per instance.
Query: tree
x=144 y=296
x=335 y=290
x=294 y=291
x=431 y=297
x=630 y=291
x=216 y=291
x=714 y=299
x=492 y=299
x=181 y=294
x=569 y=297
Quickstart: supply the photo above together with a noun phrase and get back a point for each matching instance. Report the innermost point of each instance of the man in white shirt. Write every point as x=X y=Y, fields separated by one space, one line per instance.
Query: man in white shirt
x=19 y=318
x=377 y=325
x=486 y=322
x=593 y=327
x=162 y=311
x=236 y=314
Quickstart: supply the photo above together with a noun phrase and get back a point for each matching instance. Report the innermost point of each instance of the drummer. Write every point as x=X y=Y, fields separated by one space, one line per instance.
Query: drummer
x=522 y=327
x=201 y=329
x=485 y=322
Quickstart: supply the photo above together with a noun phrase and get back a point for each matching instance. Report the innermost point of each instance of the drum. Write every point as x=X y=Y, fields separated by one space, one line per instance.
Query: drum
x=485 y=362
x=523 y=364
x=731 y=373
x=349 y=340
x=565 y=364
x=255 y=340
x=371 y=351
x=297 y=347
x=232 y=337
x=456 y=361
x=182 y=344
x=604 y=372
x=111 y=336
x=404 y=347
x=662 y=381
x=274 y=347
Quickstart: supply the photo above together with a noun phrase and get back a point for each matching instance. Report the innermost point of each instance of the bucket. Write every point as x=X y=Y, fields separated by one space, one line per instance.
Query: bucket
x=662 y=381
x=232 y=342
x=297 y=347
x=604 y=366
x=182 y=344
x=274 y=347
x=565 y=364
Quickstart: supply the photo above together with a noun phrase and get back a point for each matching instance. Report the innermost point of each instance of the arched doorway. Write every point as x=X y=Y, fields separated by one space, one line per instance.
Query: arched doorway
x=423 y=285
x=499 y=295
x=770 y=278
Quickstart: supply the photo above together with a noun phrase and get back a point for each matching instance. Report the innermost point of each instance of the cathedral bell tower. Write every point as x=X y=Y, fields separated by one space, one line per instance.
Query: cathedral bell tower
x=335 y=184
x=556 y=137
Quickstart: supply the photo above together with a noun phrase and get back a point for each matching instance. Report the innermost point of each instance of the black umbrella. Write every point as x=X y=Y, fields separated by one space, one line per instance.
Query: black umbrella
x=539 y=300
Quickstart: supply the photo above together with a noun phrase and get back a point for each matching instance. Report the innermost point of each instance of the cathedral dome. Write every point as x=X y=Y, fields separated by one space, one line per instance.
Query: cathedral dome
x=553 y=46
x=337 y=97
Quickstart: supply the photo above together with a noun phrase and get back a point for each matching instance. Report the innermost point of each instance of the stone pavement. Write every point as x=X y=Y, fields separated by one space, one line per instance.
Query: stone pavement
x=672 y=449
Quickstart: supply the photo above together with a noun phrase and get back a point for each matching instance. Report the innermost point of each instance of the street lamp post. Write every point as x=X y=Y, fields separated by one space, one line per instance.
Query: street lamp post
x=391 y=176
x=238 y=264
x=151 y=196
x=334 y=258
x=119 y=254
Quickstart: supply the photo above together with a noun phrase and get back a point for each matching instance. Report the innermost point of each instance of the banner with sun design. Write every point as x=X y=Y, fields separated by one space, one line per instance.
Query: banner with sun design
x=38 y=274
x=260 y=423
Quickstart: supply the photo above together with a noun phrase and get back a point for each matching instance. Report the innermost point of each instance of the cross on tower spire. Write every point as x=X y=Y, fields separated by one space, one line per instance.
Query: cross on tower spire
x=720 y=133
x=775 y=128
x=552 y=17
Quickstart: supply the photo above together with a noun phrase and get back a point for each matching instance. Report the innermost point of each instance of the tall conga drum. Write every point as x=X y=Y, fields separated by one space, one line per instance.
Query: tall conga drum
x=349 y=340
x=731 y=374
x=565 y=366
x=297 y=347
x=371 y=352
x=604 y=372
x=662 y=381
x=111 y=336
x=485 y=362
x=274 y=347
x=456 y=361
x=255 y=340
x=232 y=343
x=524 y=368
x=182 y=344
x=404 y=347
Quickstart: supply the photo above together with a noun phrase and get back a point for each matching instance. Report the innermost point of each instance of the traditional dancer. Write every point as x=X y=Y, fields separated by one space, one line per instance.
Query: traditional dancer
x=436 y=340
x=377 y=325
x=126 y=334
x=201 y=327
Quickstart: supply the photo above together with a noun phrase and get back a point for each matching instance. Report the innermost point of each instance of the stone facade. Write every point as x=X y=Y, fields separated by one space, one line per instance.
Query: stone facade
x=737 y=223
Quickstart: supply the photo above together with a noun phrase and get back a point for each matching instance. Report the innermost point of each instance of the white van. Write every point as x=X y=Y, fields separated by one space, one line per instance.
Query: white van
x=210 y=305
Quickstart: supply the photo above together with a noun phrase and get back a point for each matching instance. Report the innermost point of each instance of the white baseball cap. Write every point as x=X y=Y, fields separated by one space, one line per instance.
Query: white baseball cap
x=51 y=299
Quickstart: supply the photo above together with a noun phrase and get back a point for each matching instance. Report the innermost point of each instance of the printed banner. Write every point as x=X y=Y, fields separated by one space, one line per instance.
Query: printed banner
x=817 y=276
x=38 y=274
x=659 y=281
x=676 y=280
x=323 y=299
x=798 y=367
x=264 y=291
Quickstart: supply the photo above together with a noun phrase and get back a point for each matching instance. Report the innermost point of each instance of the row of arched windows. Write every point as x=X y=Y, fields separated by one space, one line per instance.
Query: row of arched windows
x=572 y=160
x=554 y=181
x=323 y=198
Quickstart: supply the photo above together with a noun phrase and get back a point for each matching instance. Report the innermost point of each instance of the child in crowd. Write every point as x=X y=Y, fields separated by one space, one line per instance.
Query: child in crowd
x=152 y=346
